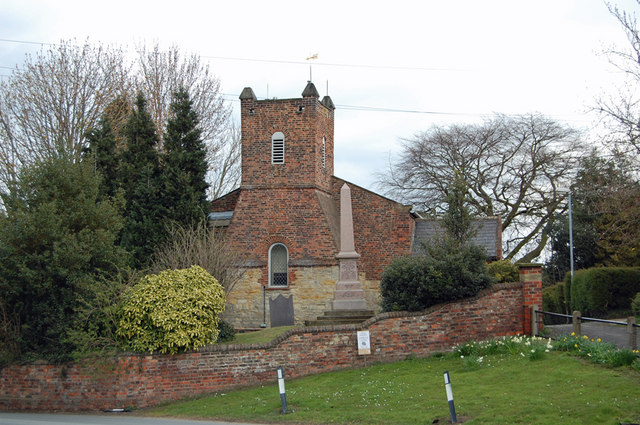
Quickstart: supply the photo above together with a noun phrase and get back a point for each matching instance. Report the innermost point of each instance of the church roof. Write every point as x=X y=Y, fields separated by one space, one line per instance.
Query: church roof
x=488 y=234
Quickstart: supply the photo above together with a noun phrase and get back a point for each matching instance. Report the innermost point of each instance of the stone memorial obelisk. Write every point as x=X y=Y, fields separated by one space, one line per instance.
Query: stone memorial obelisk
x=349 y=294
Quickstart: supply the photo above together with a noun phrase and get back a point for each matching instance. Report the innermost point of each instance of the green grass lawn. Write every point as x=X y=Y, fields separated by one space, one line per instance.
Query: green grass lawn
x=259 y=337
x=555 y=388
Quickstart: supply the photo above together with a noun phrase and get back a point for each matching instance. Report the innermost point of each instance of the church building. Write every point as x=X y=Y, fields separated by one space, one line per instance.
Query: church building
x=285 y=217
x=307 y=237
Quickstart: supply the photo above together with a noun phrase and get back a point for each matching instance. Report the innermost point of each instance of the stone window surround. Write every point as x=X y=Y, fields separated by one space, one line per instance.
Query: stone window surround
x=270 y=263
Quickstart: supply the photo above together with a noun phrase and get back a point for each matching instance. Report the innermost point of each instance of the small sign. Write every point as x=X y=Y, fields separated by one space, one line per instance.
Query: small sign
x=364 y=343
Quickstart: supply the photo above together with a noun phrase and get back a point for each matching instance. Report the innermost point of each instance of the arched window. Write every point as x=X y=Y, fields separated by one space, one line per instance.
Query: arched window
x=277 y=148
x=278 y=265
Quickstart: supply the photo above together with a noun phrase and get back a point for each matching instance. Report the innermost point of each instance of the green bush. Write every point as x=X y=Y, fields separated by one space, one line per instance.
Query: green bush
x=446 y=273
x=173 y=311
x=58 y=244
x=596 y=291
x=567 y=289
x=226 y=332
x=635 y=304
x=504 y=271
x=553 y=298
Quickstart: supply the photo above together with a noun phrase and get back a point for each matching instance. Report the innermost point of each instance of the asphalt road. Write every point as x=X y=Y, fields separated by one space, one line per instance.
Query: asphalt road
x=615 y=334
x=107 y=419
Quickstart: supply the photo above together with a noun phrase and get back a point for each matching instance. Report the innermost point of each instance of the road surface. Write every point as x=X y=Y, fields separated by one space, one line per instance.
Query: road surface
x=106 y=419
x=615 y=334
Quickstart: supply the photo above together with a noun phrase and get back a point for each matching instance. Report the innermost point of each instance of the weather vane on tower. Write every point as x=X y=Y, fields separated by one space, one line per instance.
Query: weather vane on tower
x=311 y=58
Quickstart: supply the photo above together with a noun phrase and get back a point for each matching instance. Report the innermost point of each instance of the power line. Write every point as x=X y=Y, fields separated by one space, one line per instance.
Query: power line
x=38 y=43
x=233 y=97
x=406 y=111
x=344 y=65
x=289 y=62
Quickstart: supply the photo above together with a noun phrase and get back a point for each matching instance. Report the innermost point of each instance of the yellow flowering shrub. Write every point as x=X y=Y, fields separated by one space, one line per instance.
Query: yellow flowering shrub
x=172 y=311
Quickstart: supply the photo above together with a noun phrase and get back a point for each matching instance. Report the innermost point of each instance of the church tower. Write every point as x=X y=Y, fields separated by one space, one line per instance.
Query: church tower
x=298 y=259
x=287 y=143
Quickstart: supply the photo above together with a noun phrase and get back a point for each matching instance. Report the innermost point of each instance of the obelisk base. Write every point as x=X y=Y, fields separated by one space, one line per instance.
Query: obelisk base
x=349 y=294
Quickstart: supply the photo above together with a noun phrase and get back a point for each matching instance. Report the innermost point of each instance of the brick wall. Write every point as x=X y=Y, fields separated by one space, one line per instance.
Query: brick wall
x=294 y=217
x=531 y=276
x=304 y=123
x=145 y=380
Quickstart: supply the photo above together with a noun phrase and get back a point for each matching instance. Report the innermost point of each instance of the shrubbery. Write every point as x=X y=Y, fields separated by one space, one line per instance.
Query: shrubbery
x=446 y=273
x=226 y=332
x=635 y=304
x=450 y=269
x=553 y=298
x=596 y=291
x=173 y=311
x=504 y=271
x=58 y=251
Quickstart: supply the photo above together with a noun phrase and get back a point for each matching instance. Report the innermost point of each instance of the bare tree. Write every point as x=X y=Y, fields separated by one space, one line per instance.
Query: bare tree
x=200 y=245
x=513 y=166
x=160 y=73
x=224 y=167
x=53 y=99
x=622 y=109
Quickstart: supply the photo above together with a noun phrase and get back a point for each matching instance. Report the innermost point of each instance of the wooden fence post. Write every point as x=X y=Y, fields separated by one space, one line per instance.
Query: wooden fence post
x=576 y=323
x=632 y=332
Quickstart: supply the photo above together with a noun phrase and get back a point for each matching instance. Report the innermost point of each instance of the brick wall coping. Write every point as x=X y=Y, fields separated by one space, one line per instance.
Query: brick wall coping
x=528 y=265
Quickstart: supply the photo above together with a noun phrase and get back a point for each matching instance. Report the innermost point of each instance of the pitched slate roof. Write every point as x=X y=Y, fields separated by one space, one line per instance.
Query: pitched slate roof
x=488 y=234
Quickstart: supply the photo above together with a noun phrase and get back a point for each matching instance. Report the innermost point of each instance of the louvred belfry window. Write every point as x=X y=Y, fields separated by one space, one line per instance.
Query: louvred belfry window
x=324 y=152
x=277 y=148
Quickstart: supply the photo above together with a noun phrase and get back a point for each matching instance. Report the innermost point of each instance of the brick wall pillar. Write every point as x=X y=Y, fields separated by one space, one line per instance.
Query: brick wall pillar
x=531 y=278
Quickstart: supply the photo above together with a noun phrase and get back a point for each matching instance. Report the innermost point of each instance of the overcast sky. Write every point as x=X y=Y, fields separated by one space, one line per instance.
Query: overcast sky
x=392 y=68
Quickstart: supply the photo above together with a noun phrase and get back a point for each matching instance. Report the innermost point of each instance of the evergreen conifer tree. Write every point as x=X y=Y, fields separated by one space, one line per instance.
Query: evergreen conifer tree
x=57 y=241
x=457 y=219
x=185 y=164
x=103 y=156
x=142 y=183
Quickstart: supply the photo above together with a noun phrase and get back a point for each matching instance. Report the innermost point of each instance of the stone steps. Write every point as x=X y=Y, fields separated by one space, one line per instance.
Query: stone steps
x=341 y=317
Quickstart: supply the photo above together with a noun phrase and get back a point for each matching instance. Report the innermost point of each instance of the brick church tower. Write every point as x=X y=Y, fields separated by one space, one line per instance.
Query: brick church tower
x=285 y=217
x=287 y=143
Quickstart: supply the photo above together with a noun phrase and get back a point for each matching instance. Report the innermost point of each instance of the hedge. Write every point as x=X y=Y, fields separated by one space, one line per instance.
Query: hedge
x=596 y=291
x=553 y=299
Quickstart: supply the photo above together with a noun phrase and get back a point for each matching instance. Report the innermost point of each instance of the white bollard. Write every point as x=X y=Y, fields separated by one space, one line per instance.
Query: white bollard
x=283 y=395
x=452 y=409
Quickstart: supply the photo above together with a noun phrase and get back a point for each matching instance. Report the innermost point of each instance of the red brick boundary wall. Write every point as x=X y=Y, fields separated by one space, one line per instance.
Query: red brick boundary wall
x=146 y=380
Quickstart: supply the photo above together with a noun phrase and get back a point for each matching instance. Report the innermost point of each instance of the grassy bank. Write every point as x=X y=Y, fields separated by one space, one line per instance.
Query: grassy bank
x=517 y=383
x=260 y=337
